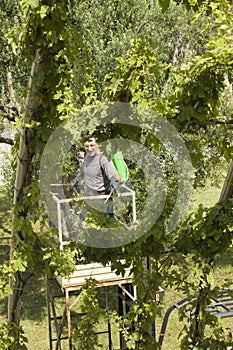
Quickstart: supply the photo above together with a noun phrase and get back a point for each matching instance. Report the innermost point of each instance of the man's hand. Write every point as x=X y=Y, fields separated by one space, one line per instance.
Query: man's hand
x=75 y=180
x=114 y=184
x=72 y=183
x=118 y=177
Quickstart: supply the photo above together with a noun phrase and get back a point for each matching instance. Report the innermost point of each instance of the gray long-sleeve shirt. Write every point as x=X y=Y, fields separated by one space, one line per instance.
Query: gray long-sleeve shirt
x=92 y=171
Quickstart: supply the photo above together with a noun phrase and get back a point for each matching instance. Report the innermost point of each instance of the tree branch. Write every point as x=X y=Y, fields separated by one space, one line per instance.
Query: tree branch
x=10 y=107
x=6 y=140
x=176 y=51
x=12 y=92
x=141 y=26
x=10 y=112
x=229 y=121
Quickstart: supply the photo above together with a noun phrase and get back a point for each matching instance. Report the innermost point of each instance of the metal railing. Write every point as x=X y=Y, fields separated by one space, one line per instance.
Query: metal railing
x=123 y=191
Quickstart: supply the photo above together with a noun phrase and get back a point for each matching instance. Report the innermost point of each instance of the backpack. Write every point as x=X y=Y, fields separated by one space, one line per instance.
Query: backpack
x=121 y=167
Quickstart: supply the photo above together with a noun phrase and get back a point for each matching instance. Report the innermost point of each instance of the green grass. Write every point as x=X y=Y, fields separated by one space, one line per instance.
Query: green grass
x=171 y=339
x=34 y=306
x=207 y=197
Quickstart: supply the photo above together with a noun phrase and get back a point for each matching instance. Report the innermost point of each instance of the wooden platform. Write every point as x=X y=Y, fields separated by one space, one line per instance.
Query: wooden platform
x=102 y=274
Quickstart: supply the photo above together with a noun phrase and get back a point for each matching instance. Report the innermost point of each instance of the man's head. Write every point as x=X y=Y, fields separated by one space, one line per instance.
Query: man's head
x=91 y=146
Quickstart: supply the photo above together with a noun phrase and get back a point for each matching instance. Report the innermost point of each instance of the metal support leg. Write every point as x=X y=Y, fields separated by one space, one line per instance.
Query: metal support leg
x=125 y=297
x=109 y=324
x=68 y=313
x=51 y=309
x=121 y=313
x=48 y=297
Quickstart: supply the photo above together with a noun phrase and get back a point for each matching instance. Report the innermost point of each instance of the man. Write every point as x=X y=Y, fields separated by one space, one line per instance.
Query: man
x=98 y=176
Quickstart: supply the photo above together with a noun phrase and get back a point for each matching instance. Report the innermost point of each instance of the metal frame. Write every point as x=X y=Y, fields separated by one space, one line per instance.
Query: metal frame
x=73 y=284
x=127 y=193
x=221 y=306
x=70 y=288
x=126 y=294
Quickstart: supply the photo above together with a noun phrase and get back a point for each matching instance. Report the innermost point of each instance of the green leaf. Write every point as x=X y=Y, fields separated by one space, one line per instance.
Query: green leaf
x=7 y=289
x=19 y=265
x=164 y=4
x=43 y=11
x=33 y=3
x=29 y=3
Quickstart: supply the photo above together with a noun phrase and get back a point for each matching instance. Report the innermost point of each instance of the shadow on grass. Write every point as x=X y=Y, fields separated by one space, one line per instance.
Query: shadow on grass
x=226 y=259
x=34 y=304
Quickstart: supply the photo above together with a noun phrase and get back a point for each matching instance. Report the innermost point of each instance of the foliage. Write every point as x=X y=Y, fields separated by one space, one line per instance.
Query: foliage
x=136 y=77
x=9 y=337
x=118 y=24
x=6 y=173
x=137 y=323
x=11 y=15
x=46 y=24
x=85 y=337
x=107 y=27
x=210 y=232
x=192 y=94
x=188 y=95
x=203 y=237
x=196 y=101
x=197 y=5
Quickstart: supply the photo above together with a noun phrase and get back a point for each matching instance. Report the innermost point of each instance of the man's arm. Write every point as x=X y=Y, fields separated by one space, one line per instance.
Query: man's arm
x=75 y=180
x=109 y=169
x=114 y=184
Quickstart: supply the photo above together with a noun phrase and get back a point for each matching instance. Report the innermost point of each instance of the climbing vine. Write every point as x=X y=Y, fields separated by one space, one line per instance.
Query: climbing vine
x=45 y=40
x=195 y=99
x=85 y=337
x=12 y=337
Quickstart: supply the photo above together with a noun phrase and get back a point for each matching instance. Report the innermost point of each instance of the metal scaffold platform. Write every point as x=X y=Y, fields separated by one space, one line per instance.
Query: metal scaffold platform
x=71 y=290
x=70 y=287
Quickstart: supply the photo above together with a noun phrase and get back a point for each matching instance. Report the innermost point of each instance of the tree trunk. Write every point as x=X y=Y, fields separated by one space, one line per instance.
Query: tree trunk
x=23 y=178
x=227 y=189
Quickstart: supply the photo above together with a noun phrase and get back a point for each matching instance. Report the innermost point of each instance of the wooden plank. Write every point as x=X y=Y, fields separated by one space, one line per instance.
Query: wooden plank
x=103 y=274
x=101 y=283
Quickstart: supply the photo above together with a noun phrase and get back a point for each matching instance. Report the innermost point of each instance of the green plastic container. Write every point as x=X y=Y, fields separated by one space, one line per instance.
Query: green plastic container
x=121 y=167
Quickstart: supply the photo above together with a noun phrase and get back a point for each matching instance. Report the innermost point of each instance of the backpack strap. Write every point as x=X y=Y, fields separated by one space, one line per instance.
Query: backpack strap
x=101 y=164
x=106 y=179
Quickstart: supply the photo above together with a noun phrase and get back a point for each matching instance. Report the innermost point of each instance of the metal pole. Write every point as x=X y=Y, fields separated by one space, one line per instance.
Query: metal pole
x=48 y=297
x=120 y=313
x=109 y=324
x=68 y=318
x=227 y=189
x=134 y=206
x=59 y=218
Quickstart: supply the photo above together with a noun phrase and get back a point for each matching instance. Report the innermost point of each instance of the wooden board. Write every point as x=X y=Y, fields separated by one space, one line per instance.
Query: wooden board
x=102 y=274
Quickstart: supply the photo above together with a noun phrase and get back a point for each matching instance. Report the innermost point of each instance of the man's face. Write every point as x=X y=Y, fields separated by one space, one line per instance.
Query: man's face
x=91 y=147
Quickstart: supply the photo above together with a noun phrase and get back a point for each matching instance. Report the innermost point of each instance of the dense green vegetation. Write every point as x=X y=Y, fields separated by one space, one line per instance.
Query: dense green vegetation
x=34 y=308
x=171 y=57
